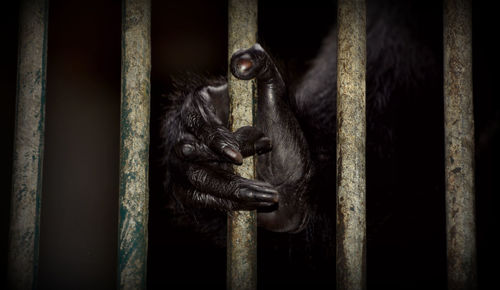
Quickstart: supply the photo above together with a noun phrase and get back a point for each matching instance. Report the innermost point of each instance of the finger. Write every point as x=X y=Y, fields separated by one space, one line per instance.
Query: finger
x=201 y=199
x=199 y=118
x=256 y=63
x=248 y=194
x=258 y=185
x=226 y=185
x=191 y=150
x=222 y=141
x=198 y=152
x=252 y=141
x=215 y=136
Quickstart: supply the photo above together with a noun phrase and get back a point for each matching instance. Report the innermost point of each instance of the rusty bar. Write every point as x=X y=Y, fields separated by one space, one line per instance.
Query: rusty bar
x=134 y=145
x=459 y=145
x=242 y=225
x=351 y=140
x=24 y=229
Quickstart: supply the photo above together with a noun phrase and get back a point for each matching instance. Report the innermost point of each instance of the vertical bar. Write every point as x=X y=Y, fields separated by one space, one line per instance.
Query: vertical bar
x=242 y=225
x=134 y=145
x=28 y=145
x=459 y=145
x=351 y=139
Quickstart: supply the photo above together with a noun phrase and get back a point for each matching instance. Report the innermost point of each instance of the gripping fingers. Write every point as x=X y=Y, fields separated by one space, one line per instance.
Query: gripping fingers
x=200 y=119
x=203 y=126
x=191 y=149
x=218 y=139
x=252 y=141
x=222 y=141
x=198 y=198
x=225 y=185
x=249 y=140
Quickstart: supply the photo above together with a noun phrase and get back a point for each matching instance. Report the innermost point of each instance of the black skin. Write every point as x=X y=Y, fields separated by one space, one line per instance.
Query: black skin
x=405 y=185
x=294 y=134
x=205 y=148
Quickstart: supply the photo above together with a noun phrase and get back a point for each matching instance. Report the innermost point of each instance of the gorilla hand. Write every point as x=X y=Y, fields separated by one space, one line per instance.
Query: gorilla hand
x=288 y=167
x=200 y=150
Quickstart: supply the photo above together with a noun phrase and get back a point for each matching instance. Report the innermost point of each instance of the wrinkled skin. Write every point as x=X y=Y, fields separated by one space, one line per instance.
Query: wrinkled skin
x=294 y=135
x=204 y=150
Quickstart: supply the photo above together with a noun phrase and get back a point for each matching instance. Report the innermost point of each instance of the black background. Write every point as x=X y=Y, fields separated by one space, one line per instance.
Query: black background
x=406 y=238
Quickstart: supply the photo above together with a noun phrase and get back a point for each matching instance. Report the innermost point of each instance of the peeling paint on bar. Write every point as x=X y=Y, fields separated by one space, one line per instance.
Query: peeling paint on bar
x=242 y=225
x=459 y=145
x=28 y=146
x=351 y=140
x=134 y=145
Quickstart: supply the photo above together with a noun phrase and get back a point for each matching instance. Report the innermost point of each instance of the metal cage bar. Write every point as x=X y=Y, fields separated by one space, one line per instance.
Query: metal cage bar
x=459 y=145
x=351 y=141
x=134 y=145
x=28 y=145
x=242 y=225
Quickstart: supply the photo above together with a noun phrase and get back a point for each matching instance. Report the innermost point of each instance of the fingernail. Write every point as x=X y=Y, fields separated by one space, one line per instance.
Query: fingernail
x=244 y=64
x=234 y=155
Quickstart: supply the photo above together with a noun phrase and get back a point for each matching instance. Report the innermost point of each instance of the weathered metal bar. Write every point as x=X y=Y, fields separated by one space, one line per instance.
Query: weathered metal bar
x=134 y=145
x=242 y=225
x=28 y=145
x=459 y=145
x=351 y=140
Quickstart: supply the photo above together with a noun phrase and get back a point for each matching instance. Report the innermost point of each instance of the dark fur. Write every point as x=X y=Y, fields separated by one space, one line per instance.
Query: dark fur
x=399 y=66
